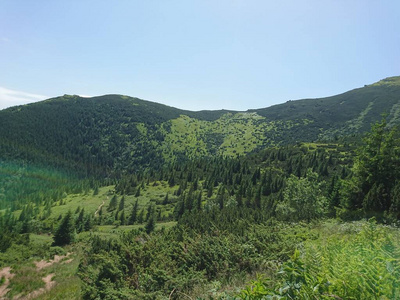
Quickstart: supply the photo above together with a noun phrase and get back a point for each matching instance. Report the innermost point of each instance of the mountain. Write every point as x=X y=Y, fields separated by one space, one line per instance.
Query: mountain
x=345 y=114
x=108 y=188
x=110 y=133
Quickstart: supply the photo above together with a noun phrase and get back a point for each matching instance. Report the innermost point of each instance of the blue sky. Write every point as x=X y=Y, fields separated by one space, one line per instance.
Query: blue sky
x=236 y=54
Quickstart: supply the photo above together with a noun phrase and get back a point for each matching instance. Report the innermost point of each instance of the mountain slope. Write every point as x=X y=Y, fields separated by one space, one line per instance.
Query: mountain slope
x=348 y=113
x=71 y=130
x=103 y=134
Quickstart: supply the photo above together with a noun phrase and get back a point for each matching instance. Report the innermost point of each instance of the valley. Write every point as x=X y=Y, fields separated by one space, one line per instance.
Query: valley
x=121 y=198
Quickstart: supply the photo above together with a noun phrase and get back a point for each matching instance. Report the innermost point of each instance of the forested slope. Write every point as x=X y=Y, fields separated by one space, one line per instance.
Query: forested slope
x=153 y=202
x=107 y=134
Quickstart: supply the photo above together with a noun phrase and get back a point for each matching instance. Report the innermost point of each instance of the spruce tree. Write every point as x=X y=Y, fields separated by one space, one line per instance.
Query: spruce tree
x=96 y=191
x=376 y=170
x=113 y=203
x=141 y=216
x=133 y=217
x=65 y=233
x=122 y=203
x=198 y=201
x=80 y=221
x=257 y=198
x=165 y=201
x=122 y=218
x=150 y=224
x=137 y=194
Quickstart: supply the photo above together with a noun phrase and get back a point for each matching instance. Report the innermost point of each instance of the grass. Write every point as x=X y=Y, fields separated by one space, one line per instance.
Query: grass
x=152 y=193
x=114 y=231
x=330 y=237
x=27 y=279
x=352 y=260
x=40 y=239
x=111 y=228
x=68 y=283
x=89 y=201
x=230 y=135
x=68 y=288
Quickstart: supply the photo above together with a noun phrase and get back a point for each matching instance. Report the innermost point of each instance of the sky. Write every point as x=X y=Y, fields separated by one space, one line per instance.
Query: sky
x=196 y=54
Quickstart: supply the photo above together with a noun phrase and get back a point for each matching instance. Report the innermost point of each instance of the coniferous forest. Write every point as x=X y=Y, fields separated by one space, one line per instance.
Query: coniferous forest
x=114 y=197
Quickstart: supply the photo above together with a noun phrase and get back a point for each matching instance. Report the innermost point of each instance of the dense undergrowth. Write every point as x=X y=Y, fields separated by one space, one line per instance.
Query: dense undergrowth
x=358 y=260
x=181 y=260
x=204 y=228
x=271 y=260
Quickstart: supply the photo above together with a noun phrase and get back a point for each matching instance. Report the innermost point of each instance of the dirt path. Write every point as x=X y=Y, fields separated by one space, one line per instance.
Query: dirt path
x=44 y=264
x=98 y=209
x=48 y=280
x=7 y=275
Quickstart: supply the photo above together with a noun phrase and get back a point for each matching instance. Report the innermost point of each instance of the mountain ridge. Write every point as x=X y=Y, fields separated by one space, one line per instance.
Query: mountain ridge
x=389 y=81
x=133 y=189
x=117 y=132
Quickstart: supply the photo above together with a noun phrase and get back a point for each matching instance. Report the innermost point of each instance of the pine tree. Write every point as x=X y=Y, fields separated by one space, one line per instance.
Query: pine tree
x=133 y=217
x=165 y=201
x=171 y=180
x=80 y=221
x=150 y=211
x=96 y=191
x=88 y=223
x=141 y=216
x=239 y=200
x=113 y=203
x=209 y=191
x=189 y=200
x=257 y=198
x=198 y=201
x=221 y=197
x=65 y=233
x=137 y=194
x=121 y=204
x=122 y=217
x=376 y=169
x=179 y=208
x=150 y=224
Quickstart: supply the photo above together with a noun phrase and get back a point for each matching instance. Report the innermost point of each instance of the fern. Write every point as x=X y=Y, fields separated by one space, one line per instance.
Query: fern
x=362 y=264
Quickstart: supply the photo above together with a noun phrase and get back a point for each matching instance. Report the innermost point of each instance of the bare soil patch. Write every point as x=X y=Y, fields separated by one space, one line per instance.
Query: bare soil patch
x=98 y=209
x=44 y=264
x=48 y=280
x=7 y=275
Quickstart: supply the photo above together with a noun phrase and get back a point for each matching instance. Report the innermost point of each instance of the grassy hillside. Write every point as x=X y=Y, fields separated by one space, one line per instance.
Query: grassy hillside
x=105 y=135
x=202 y=228
x=345 y=114
x=114 y=197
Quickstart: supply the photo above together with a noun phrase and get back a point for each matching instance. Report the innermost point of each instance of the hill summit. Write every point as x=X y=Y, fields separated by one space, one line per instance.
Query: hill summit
x=114 y=132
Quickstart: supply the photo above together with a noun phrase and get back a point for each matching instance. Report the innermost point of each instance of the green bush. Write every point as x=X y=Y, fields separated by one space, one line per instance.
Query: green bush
x=361 y=265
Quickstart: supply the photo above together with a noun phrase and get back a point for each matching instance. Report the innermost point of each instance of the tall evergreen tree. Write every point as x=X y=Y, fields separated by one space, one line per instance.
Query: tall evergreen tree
x=80 y=221
x=150 y=224
x=65 y=233
x=113 y=203
x=121 y=203
x=133 y=216
x=122 y=218
x=376 y=171
x=141 y=216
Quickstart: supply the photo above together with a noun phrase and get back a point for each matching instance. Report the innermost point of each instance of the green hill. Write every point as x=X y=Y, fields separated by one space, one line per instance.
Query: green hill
x=112 y=133
x=345 y=114
x=115 y=197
